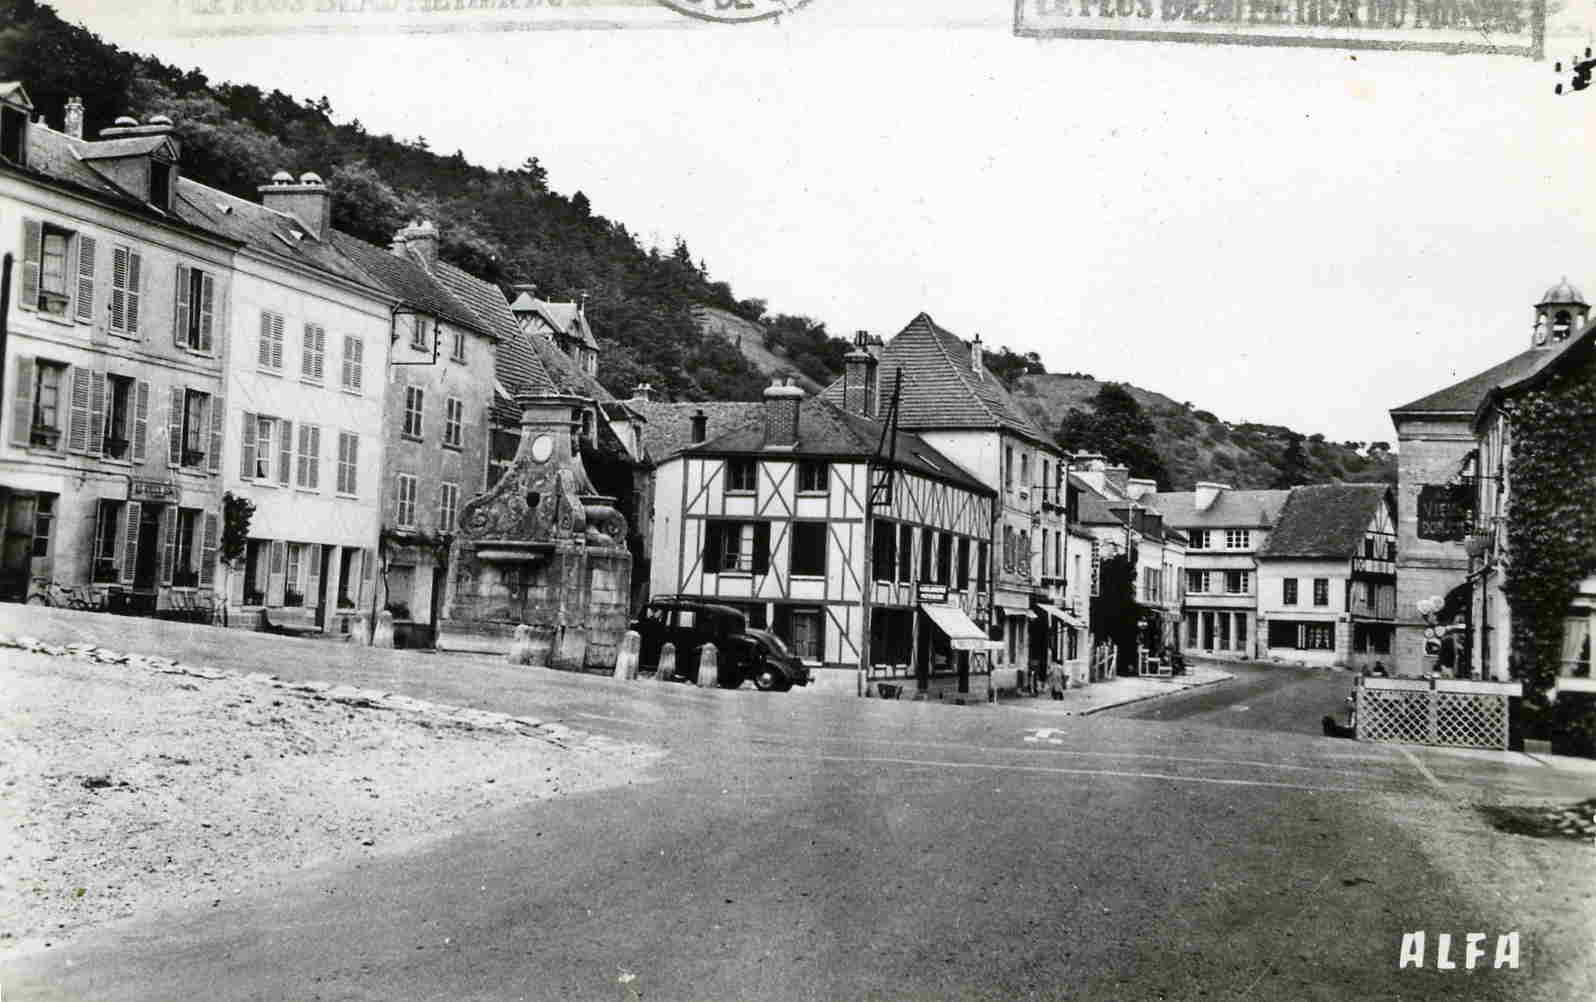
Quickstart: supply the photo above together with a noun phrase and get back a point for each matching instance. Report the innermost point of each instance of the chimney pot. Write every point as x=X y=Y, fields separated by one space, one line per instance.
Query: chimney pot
x=308 y=200
x=700 y=427
x=643 y=392
x=420 y=241
x=859 y=380
x=73 y=124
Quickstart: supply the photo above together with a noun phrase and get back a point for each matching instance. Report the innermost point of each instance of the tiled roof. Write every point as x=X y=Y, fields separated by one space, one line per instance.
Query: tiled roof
x=1464 y=397
x=54 y=156
x=409 y=281
x=265 y=230
x=1235 y=509
x=1549 y=362
x=1095 y=510
x=825 y=429
x=1325 y=520
x=940 y=389
x=669 y=427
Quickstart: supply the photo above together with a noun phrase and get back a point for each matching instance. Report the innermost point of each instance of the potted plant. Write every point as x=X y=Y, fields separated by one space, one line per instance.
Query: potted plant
x=116 y=448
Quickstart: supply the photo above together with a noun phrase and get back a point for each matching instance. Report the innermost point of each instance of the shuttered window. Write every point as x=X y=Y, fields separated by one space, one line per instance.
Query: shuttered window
x=194 y=316
x=354 y=362
x=448 y=506
x=314 y=354
x=405 y=501
x=269 y=351
x=348 y=462
x=309 y=470
x=84 y=307
x=127 y=267
x=453 y=420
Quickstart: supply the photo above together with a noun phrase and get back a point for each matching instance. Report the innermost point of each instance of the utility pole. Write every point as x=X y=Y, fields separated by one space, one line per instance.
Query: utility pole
x=878 y=494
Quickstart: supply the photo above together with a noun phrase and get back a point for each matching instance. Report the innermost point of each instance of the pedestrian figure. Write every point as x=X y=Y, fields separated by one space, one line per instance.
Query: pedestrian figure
x=1055 y=680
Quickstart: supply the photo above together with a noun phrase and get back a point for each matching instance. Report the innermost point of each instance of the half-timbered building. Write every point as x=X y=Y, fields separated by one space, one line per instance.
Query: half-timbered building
x=1327 y=577
x=866 y=552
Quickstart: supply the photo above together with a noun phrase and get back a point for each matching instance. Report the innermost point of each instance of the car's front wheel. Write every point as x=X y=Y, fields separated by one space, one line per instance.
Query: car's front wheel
x=768 y=679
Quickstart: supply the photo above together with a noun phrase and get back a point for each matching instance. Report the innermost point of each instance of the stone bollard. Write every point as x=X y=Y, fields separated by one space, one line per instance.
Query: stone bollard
x=708 y=667
x=626 y=660
x=384 y=635
x=521 y=646
x=667 y=664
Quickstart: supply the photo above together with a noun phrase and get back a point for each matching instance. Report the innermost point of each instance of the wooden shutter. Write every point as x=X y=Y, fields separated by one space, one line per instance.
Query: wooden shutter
x=209 y=544
x=169 y=549
x=761 y=563
x=712 y=546
x=180 y=327
x=307 y=356
x=22 y=402
x=135 y=287
x=277 y=341
x=141 y=421
x=315 y=457
x=354 y=464
x=357 y=364
x=78 y=421
x=32 y=252
x=279 y=573
x=174 y=429
x=100 y=510
x=368 y=568
x=285 y=452
x=218 y=415
x=263 y=355
x=87 y=248
x=96 y=413
x=246 y=468
x=313 y=576
x=302 y=473
x=130 y=540
x=207 y=310
x=344 y=370
x=119 y=288
x=321 y=351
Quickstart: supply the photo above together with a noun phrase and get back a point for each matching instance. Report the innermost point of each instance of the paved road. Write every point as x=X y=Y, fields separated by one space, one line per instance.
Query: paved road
x=1262 y=697
x=800 y=847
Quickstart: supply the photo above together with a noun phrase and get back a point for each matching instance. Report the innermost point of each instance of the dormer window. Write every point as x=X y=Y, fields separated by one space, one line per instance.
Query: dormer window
x=13 y=132
x=160 y=184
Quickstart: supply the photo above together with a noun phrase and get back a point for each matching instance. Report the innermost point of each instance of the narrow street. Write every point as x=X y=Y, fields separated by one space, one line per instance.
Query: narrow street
x=799 y=846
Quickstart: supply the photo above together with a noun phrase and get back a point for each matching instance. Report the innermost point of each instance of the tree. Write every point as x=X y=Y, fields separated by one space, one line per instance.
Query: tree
x=237 y=513
x=1293 y=465
x=1116 y=615
x=1117 y=427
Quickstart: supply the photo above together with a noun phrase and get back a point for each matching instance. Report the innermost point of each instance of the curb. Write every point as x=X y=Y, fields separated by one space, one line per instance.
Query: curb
x=1153 y=695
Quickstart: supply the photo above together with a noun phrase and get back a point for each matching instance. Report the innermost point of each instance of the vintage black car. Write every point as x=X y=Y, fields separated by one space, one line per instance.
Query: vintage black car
x=744 y=653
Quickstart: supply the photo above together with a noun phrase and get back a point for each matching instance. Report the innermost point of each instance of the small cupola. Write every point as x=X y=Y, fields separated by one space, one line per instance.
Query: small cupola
x=16 y=112
x=1562 y=312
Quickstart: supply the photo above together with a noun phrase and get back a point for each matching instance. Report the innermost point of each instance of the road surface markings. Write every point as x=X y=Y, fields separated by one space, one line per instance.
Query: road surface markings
x=1002 y=767
x=1424 y=771
x=1044 y=734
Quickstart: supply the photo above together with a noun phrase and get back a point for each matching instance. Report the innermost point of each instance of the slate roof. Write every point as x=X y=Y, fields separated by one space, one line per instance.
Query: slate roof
x=410 y=282
x=265 y=230
x=1325 y=521
x=669 y=427
x=53 y=157
x=1549 y=362
x=940 y=390
x=1234 y=509
x=1464 y=397
x=129 y=146
x=826 y=430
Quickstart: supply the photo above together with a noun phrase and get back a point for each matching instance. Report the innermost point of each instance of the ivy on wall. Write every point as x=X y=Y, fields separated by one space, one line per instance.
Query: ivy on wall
x=1551 y=533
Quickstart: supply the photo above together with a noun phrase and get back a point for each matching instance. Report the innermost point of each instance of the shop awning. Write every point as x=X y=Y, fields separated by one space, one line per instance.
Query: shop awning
x=964 y=635
x=1067 y=618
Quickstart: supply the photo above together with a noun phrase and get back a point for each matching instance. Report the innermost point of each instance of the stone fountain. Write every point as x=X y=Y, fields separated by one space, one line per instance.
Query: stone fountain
x=541 y=548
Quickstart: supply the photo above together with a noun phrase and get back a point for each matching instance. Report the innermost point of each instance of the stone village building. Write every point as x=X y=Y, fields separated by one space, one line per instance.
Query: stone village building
x=779 y=516
x=1436 y=466
x=1565 y=366
x=1225 y=529
x=1327 y=577
x=110 y=437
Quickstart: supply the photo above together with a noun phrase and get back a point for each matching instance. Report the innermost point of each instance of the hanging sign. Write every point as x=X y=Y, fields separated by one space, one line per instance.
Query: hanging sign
x=1446 y=512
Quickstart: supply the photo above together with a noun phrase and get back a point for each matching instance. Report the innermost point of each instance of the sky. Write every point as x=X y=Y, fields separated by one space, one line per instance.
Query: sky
x=1287 y=235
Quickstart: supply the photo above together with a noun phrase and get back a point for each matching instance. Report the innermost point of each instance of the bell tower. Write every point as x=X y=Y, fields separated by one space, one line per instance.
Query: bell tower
x=1561 y=313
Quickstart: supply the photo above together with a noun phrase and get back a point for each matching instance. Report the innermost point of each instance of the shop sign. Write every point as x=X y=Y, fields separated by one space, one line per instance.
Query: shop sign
x=160 y=491
x=935 y=594
x=1446 y=512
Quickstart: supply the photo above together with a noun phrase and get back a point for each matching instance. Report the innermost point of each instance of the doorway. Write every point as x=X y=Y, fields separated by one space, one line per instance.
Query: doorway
x=16 y=552
x=149 y=554
x=324 y=586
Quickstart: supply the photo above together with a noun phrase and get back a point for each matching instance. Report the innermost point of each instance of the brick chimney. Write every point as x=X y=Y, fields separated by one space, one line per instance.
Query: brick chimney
x=1208 y=493
x=699 y=427
x=859 y=378
x=1119 y=476
x=73 y=124
x=781 y=415
x=1140 y=487
x=307 y=200
x=419 y=242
